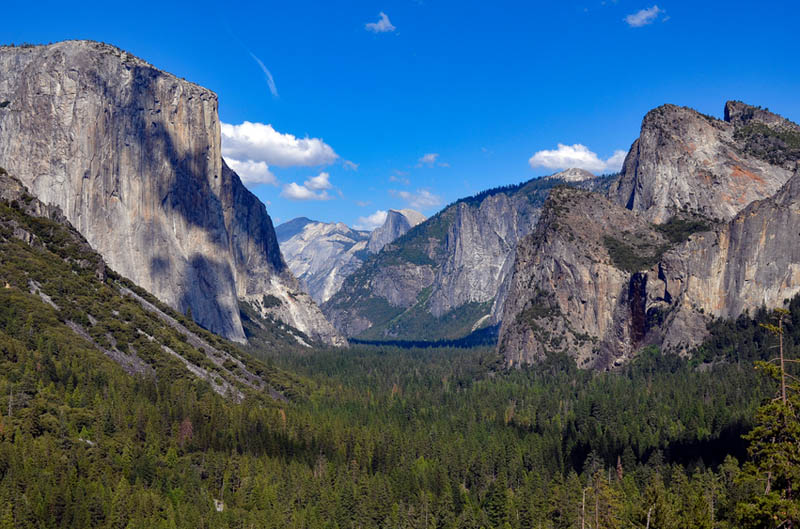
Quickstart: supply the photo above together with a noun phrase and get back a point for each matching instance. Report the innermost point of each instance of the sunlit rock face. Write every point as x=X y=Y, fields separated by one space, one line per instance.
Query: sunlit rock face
x=602 y=277
x=445 y=278
x=132 y=156
x=687 y=161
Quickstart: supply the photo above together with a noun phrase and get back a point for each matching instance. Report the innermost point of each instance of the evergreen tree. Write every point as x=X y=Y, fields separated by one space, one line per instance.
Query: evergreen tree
x=775 y=446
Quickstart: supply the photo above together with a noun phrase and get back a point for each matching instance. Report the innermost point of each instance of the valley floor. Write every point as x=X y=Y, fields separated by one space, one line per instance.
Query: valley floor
x=382 y=437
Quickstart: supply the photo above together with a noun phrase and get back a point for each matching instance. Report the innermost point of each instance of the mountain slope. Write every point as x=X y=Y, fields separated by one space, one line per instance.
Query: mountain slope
x=687 y=161
x=49 y=269
x=131 y=155
x=441 y=279
x=321 y=255
x=574 y=287
x=599 y=280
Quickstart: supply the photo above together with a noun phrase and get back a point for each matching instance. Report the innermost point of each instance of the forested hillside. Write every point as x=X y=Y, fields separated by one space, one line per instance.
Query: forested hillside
x=380 y=437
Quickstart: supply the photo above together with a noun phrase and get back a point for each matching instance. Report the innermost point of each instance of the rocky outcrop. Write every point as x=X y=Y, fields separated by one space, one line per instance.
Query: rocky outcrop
x=397 y=223
x=132 y=157
x=687 y=161
x=749 y=262
x=322 y=254
x=444 y=277
x=289 y=229
x=573 y=175
x=571 y=288
x=598 y=280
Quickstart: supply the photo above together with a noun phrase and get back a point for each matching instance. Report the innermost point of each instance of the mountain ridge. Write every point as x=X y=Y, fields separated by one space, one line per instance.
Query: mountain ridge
x=601 y=278
x=132 y=156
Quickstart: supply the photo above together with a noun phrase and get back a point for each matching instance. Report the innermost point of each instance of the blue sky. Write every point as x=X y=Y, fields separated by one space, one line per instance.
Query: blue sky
x=478 y=87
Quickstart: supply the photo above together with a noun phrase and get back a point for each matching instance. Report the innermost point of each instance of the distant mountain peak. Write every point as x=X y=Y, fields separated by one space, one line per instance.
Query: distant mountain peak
x=397 y=223
x=574 y=174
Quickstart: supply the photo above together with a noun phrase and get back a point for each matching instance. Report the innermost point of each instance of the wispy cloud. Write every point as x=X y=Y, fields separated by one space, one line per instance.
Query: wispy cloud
x=430 y=159
x=383 y=25
x=270 y=81
x=643 y=17
x=350 y=165
x=315 y=188
x=578 y=156
x=370 y=222
x=399 y=179
x=421 y=199
x=258 y=142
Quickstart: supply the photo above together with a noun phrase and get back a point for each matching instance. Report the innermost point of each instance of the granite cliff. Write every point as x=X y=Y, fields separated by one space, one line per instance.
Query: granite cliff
x=397 y=223
x=132 y=157
x=321 y=255
x=444 y=278
x=687 y=161
x=699 y=225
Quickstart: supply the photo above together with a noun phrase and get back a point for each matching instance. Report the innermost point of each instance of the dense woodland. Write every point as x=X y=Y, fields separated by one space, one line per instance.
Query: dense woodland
x=371 y=436
x=384 y=437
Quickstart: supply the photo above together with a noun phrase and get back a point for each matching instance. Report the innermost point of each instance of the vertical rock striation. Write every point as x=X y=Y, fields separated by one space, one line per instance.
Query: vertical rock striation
x=446 y=277
x=131 y=155
x=687 y=161
x=702 y=223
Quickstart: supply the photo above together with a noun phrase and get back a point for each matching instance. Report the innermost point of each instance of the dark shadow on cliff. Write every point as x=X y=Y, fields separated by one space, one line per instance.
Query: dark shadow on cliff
x=201 y=285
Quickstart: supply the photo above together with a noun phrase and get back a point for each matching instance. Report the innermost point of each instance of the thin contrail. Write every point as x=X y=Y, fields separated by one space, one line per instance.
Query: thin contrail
x=267 y=74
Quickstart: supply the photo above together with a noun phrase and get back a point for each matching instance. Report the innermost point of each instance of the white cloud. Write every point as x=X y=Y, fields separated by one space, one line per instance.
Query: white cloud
x=258 y=142
x=614 y=164
x=579 y=156
x=252 y=172
x=428 y=159
x=370 y=222
x=350 y=165
x=295 y=191
x=422 y=199
x=643 y=17
x=267 y=75
x=319 y=182
x=381 y=26
x=315 y=188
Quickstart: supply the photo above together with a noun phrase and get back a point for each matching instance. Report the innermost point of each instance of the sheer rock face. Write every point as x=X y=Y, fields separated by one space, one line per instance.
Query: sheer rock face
x=322 y=254
x=599 y=281
x=397 y=223
x=684 y=160
x=449 y=270
x=566 y=294
x=132 y=157
x=749 y=262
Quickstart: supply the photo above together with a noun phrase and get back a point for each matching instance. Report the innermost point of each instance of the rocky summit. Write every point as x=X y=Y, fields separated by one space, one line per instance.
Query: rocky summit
x=321 y=255
x=397 y=223
x=686 y=161
x=700 y=225
x=131 y=155
x=444 y=279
